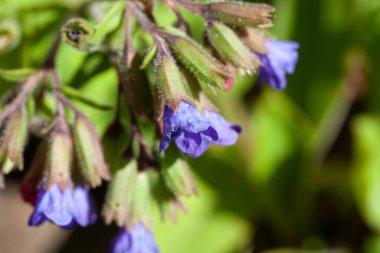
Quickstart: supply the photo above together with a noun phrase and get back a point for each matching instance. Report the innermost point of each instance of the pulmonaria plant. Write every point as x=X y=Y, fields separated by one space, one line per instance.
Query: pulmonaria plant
x=166 y=82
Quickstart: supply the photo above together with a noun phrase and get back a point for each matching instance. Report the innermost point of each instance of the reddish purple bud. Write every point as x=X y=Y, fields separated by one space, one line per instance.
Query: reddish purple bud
x=29 y=192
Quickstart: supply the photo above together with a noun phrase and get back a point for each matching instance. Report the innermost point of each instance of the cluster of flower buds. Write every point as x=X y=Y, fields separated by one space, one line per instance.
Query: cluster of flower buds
x=69 y=158
x=166 y=81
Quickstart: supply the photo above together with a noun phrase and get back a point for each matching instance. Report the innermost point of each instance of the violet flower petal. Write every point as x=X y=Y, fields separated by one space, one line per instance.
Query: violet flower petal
x=227 y=132
x=52 y=205
x=186 y=118
x=193 y=132
x=138 y=240
x=282 y=58
x=83 y=210
x=192 y=144
x=63 y=208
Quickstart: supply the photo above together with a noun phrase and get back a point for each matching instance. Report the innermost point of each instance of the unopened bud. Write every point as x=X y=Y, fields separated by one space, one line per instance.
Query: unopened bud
x=77 y=32
x=10 y=35
x=13 y=141
x=230 y=47
x=59 y=160
x=255 y=40
x=242 y=14
x=199 y=62
x=141 y=202
x=170 y=83
x=120 y=193
x=89 y=151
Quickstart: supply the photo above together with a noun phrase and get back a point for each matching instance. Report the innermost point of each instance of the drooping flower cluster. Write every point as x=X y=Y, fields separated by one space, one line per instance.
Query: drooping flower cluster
x=64 y=208
x=166 y=84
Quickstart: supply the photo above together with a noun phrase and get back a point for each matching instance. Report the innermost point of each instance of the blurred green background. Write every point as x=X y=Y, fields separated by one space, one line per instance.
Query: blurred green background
x=305 y=174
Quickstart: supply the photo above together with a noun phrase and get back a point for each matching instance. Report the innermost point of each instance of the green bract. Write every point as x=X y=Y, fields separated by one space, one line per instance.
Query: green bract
x=198 y=61
x=169 y=81
x=89 y=151
x=242 y=14
x=59 y=160
x=120 y=194
x=13 y=141
x=230 y=47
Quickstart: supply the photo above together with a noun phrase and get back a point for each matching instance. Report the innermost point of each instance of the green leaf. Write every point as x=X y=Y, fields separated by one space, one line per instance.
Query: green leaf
x=75 y=94
x=213 y=230
x=109 y=22
x=148 y=58
x=278 y=129
x=101 y=87
x=366 y=168
x=16 y=75
x=69 y=62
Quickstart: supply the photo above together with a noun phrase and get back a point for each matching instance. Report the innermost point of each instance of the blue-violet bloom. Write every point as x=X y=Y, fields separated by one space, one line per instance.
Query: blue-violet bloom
x=64 y=208
x=282 y=58
x=138 y=240
x=193 y=132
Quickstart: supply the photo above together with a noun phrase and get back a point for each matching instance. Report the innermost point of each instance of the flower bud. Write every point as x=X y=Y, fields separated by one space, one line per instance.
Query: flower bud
x=13 y=141
x=59 y=160
x=177 y=174
x=255 y=41
x=170 y=82
x=77 y=32
x=89 y=151
x=120 y=193
x=230 y=47
x=242 y=14
x=141 y=202
x=199 y=62
x=10 y=35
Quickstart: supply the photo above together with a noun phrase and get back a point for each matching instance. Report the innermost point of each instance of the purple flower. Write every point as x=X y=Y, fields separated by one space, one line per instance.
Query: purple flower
x=281 y=59
x=194 y=133
x=64 y=208
x=137 y=240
